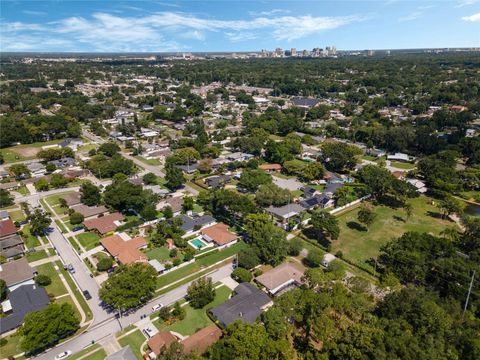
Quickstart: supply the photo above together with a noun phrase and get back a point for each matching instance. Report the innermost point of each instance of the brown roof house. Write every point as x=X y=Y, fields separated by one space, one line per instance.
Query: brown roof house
x=125 y=251
x=281 y=278
x=219 y=234
x=17 y=273
x=175 y=204
x=89 y=211
x=270 y=167
x=72 y=198
x=202 y=339
x=7 y=228
x=104 y=224
x=160 y=341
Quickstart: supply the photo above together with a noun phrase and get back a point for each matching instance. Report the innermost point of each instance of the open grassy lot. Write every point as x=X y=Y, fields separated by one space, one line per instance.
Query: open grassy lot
x=25 y=152
x=53 y=200
x=88 y=240
x=37 y=255
x=358 y=245
x=17 y=215
x=159 y=253
x=135 y=340
x=29 y=239
x=148 y=161
x=195 y=319
x=56 y=287
x=199 y=264
x=401 y=165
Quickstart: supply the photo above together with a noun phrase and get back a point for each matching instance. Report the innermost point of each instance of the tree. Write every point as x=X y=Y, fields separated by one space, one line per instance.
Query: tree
x=241 y=275
x=123 y=195
x=378 y=181
x=271 y=194
x=3 y=290
x=109 y=149
x=252 y=179
x=201 y=292
x=50 y=167
x=149 y=179
x=339 y=156
x=248 y=258
x=187 y=203
x=129 y=286
x=90 y=194
x=43 y=280
x=6 y=199
x=449 y=206
x=312 y=171
x=104 y=263
x=268 y=239
x=58 y=181
x=295 y=246
x=205 y=165
x=186 y=156
x=39 y=222
x=366 y=215
x=314 y=258
x=19 y=171
x=341 y=196
x=45 y=328
x=325 y=225
x=174 y=177
x=42 y=185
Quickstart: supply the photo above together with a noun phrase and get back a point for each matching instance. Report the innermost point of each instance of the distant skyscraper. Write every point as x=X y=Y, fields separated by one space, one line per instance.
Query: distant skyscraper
x=279 y=52
x=293 y=52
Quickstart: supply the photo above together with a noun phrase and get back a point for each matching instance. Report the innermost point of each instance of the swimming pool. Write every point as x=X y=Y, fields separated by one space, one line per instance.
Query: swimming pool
x=198 y=243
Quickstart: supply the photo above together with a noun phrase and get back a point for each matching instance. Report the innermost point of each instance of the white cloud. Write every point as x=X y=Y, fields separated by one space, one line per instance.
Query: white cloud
x=472 y=18
x=412 y=16
x=462 y=3
x=269 y=12
x=107 y=32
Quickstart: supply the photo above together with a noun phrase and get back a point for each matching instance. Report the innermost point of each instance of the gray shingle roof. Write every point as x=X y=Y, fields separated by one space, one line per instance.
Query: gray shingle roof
x=125 y=353
x=189 y=223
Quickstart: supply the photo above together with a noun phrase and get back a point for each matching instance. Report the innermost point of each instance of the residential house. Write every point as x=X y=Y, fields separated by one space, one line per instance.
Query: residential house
x=305 y=103
x=125 y=251
x=89 y=211
x=401 y=157
x=104 y=224
x=202 y=339
x=7 y=228
x=189 y=168
x=217 y=181
x=73 y=198
x=419 y=185
x=239 y=156
x=63 y=162
x=219 y=234
x=270 y=167
x=247 y=304
x=175 y=203
x=160 y=341
x=194 y=223
x=284 y=213
x=36 y=169
x=17 y=273
x=323 y=201
x=71 y=143
x=281 y=278
x=125 y=353
x=21 y=301
x=159 y=268
x=11 y=246
x=327 y=259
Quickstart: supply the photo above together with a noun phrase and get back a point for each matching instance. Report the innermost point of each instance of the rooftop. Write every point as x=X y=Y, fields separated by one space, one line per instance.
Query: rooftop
x=220 y=234
x=105 y=223
x=7 y=227
x=281 y=275
x=160 y=340
x=17 y=271
x=202 y=339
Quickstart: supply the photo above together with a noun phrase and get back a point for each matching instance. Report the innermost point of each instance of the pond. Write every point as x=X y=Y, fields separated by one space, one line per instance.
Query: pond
x=472 y=210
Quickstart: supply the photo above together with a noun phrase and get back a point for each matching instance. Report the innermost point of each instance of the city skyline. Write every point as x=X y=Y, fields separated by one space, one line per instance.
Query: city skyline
x=217 y=26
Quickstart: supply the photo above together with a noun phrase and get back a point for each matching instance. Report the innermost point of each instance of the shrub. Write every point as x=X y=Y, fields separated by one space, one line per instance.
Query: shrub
x=164 y=313
x=104 y=264
x=43 y=280
x=314 y=258
x=173 y=253
x=177 y=261
x=242 y=275
x=295 y=247
x=76 y=218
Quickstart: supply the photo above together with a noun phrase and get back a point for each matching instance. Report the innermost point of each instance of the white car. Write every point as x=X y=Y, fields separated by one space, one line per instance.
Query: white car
x=149 y=332
x=63 y=355
x=157 y=307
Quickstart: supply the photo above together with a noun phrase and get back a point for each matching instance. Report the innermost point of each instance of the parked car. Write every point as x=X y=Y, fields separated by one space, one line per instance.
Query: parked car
x=78 y=228
x=149 y=332
x=63 y=355
x=157 y=307
x=87 y=295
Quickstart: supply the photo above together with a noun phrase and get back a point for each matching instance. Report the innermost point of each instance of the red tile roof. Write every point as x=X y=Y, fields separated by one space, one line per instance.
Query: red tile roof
x=159 y=340
x=126 y=252
x=201 y=340
x=7 y=227
x=274 y=167
x=220 y=234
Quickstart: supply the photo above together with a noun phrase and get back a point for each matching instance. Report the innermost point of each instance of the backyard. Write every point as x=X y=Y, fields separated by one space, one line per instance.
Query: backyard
x=358 y=244
x=195 y=319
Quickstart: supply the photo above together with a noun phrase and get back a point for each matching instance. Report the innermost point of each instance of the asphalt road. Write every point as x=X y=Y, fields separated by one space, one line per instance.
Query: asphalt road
x=111 y=325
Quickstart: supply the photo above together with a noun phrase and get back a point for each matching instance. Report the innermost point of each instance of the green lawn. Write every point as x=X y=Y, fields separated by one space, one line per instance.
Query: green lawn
x=23 y=190
x=159 y=253
x=148 y=161
x=62 y=227
x=195 y=186
x=401 y=165
x=17 y=215
x=98 y=355
x=24 y=152
x=37 y=255
x=135 y=340
x=359 y=245
x=56 y=287
x=84 y=351
x=88 y=240
x=29 y=239
x=369 y=157
x=10 y=345
x=199 y=264
x=53 y=200
x=195 y=319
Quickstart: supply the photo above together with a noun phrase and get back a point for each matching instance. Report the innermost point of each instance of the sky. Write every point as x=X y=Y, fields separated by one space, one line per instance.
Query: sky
x=249 y=25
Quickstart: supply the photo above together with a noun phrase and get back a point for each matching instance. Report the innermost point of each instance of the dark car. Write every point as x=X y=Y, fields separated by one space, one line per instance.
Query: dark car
x=87 y=295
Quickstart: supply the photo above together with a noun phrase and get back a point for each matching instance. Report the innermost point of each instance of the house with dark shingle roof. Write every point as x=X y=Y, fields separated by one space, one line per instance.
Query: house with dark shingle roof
x=11 y=246
x=246 y=305
x=17 y=273
x=194 y=223
x=305 y=102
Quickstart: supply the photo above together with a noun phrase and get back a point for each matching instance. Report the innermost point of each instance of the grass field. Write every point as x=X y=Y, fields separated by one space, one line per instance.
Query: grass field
x=148 y=161
x=29 y=239
x=199 y=265
x=17 y=215
x=135 y=340
x=159 y=253
x=88 y=240
x=56 y=287
x=24 y=152
x=195 y=319
x=359 y=245
x=400 y=165
x=37 y=255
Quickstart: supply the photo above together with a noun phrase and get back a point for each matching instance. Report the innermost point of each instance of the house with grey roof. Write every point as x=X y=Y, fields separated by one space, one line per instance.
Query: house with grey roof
x=305 y=102
x=246 y=305
x=194 y=223
x=21 y=301
x=125 y=353
x=17 y=273
x=284 y=213
x=11 y=246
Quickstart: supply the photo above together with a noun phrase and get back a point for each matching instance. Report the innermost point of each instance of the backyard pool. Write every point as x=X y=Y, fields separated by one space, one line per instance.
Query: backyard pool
x=198 y=243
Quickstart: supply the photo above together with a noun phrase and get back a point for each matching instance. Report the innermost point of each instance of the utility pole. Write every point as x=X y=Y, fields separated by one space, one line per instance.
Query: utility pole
x=468 y=295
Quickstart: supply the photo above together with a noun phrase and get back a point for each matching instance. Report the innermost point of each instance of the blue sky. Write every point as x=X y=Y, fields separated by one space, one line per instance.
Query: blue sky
x=183 y=26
